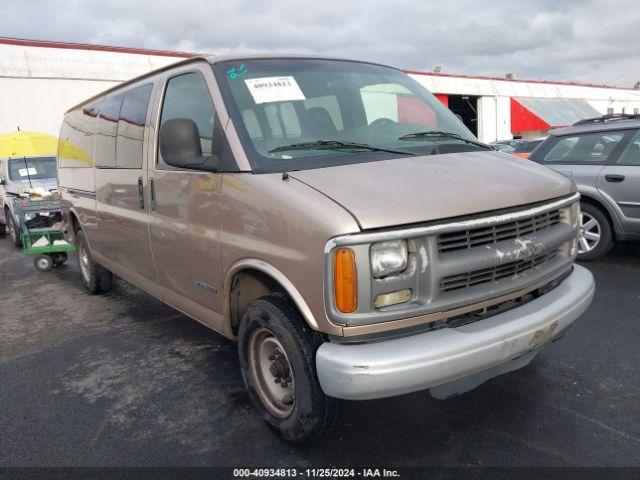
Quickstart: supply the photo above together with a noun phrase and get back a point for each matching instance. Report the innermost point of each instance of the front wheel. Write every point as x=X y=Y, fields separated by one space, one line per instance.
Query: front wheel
x=596 y=237
x=43 y=262
x=277 y=358
x=95 y=278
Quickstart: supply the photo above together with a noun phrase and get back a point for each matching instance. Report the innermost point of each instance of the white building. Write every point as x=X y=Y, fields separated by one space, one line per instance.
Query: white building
x=39 y=81
x=499 y=108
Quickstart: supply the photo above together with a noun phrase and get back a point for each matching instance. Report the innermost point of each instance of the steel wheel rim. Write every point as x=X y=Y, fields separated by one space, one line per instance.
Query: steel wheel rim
x=43 y=263
x=83 y=260
x=590 y=233
x=271 y=373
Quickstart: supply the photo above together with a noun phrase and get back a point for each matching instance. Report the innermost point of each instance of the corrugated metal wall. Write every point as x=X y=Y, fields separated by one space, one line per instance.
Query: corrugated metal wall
x=37 y=84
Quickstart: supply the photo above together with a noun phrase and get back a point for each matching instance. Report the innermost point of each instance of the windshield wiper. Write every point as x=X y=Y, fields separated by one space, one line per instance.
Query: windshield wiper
x=440 y=133
x=335 y=144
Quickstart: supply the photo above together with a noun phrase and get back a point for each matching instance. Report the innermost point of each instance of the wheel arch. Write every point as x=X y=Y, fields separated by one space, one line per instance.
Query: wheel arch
x=8 y=208
x=593 y=199
x=250 y=279
x=74 y=220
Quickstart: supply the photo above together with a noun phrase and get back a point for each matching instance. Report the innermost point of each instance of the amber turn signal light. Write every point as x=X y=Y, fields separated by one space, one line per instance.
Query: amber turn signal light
x=344 y=280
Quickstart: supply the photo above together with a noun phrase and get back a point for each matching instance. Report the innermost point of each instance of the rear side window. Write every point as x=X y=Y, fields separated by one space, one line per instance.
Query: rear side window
x=107 y=130
x=75 y=148
x=631 y=154
x=187 y=96
x=588 y=148
x=131 y=122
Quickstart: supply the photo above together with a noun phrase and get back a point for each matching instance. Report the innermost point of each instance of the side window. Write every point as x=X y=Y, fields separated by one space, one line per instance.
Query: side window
x=631 y=154
x=588 y=148
x=107 y=131
x=77 y=135
x=131 y=121
x=187 y=96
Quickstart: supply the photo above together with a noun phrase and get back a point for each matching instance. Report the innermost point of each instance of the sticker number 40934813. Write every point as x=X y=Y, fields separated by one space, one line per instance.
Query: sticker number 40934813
x=274 y=89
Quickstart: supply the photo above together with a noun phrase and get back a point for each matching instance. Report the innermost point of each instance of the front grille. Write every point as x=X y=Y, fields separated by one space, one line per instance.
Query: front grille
x=491 y=274
x=471 y=238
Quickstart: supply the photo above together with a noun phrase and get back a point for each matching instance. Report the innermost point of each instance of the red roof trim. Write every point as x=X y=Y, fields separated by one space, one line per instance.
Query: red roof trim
x=501 y=79
x=86 y=46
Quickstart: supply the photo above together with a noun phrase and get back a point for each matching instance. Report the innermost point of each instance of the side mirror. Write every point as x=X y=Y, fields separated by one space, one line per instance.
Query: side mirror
x=180 y=146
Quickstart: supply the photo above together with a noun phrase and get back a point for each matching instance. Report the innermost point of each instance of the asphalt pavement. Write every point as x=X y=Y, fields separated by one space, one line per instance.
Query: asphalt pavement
x=122 y=379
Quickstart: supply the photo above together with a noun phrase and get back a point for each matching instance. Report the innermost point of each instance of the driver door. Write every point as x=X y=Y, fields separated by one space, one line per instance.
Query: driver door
x=185 y=217
x=619 y=180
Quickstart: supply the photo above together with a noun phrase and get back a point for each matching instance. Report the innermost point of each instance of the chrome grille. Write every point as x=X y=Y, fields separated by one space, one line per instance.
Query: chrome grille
x=491 y=274
x=465 y=239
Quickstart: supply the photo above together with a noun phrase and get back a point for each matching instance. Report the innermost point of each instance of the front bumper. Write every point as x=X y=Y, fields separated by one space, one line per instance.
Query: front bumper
x=448 y=356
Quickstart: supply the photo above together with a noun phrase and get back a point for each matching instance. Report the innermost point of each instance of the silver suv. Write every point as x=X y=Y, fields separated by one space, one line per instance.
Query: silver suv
x=16 y=175
x=602 y=155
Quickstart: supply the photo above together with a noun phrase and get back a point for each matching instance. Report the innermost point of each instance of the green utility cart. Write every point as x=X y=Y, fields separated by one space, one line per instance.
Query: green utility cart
x=41 y=231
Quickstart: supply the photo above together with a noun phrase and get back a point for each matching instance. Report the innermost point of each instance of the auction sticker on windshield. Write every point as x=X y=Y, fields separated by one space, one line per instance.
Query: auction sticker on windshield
x=25 y=172
x=274 y=89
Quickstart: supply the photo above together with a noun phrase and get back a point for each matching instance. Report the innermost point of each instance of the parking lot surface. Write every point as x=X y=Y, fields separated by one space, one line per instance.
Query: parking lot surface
x=123 y=379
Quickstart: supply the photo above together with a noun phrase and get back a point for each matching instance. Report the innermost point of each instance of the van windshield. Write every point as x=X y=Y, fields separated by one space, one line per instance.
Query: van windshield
x=296 y=114
x=36 y=168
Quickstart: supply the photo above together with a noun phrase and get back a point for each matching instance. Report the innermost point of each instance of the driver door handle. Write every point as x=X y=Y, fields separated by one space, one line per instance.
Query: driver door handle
x=152 y=188
x=140 y=193
x=614 y=178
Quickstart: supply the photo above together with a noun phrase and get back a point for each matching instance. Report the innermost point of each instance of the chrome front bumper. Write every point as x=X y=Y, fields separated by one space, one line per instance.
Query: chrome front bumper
x=446 y=360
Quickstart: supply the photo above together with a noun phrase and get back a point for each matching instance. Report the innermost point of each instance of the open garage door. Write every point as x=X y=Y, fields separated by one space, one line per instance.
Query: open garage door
x=466 y=109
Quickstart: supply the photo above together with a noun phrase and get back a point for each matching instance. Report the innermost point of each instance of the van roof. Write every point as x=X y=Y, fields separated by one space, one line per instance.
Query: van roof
x=212 y=60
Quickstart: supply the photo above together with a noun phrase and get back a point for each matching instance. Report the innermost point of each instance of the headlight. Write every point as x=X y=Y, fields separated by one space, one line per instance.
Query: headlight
x=575 y=215
x=388 y=258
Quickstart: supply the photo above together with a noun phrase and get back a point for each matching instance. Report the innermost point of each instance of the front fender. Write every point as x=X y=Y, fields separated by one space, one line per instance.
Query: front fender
x=606 y=202
x=276 y=275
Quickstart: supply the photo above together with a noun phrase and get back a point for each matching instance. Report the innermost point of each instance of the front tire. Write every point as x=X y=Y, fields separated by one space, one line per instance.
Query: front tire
x=95 y=278
x=14 y=230
x=277 y=359
x=596 y=237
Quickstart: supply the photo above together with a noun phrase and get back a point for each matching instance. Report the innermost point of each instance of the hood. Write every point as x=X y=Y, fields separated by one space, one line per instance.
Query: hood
x=46 y=183
x=433 y=187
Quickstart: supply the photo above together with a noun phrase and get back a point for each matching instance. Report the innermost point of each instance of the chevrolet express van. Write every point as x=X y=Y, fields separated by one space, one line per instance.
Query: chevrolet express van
x=332 y=217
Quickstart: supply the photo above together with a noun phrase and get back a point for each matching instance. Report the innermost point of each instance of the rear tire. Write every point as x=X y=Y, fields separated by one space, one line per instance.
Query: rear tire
x=277 y=359
x=95 y=278
x=14 y=230
x=596 y=237
x=59 y=258
x=43 y=262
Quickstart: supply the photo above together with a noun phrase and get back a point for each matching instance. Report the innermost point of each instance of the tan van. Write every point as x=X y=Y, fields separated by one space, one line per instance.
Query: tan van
x=330 y=215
